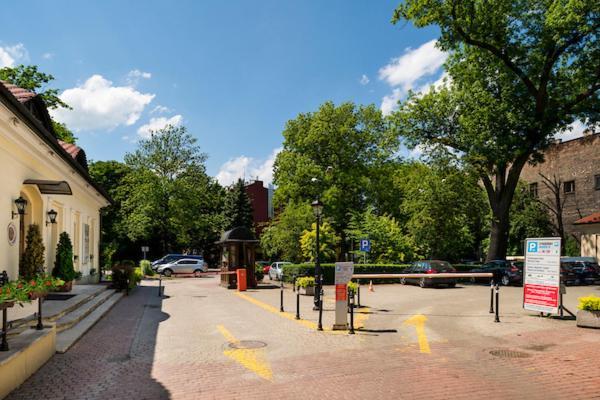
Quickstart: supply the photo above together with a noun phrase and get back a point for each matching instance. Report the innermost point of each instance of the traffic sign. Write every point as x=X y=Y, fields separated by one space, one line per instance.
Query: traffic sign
x=365 y=245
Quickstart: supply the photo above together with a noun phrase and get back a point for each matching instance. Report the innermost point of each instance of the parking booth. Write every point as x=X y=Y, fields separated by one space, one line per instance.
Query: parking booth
x=238 y=249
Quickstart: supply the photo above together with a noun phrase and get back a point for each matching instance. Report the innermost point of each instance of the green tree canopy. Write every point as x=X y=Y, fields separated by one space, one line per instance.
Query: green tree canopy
x=281 y=239
x=328 y=243
x=238 y=208
x=521 y=72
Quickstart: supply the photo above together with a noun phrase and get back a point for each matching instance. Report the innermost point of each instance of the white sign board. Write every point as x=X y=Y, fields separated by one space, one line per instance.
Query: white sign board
x=541 y=276
x=343 y=274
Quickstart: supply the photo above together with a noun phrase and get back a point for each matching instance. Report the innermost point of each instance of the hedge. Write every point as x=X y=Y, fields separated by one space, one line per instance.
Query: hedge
x=308 y=269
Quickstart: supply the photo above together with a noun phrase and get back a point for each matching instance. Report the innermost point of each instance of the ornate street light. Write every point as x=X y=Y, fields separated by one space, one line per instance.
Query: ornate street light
x=51 y=217
x=317 y=207
x=21 y=203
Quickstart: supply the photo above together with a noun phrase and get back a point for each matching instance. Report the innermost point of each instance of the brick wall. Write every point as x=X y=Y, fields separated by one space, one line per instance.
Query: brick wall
x=259 y=197
x=575 y=160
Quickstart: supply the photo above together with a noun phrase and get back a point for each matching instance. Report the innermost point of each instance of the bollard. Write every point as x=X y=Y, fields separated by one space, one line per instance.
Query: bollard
x=294 y=283
x=492 y=296
x=297 y=302
x=351 y=297
x=497 y=319
x=39 y=325
x=4 y=344
x=281 y=296
x=320 y=326
x=358 y=292
x=160 y=285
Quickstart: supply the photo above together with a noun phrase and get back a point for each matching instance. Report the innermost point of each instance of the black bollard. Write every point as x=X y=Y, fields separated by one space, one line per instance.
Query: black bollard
x=351 y=297
x=497 y=319
x=294 y=283
x=39 y=325
x=492 y=296
x=4 y=344
x=160 y=286
x=358 y=292
x=281 y=296
x=320 y=326
x=297 y=303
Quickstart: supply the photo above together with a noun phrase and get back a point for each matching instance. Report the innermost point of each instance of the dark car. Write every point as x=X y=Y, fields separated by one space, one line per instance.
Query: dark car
x=568 y=276
x=169 y=258
x=430 y=267
x=510 y=272
x=588 y=273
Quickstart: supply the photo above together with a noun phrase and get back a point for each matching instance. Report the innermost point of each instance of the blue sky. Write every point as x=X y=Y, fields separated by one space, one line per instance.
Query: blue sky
x=232 y=72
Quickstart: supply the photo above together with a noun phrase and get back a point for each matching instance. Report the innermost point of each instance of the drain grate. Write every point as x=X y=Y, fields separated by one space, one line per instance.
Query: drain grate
x=509 y=354
x=247 y=344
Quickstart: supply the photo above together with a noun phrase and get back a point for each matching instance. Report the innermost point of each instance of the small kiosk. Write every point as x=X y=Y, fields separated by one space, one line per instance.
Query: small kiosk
x=238 y=248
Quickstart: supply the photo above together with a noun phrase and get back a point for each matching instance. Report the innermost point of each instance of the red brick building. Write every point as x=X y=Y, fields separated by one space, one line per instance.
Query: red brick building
x=260 y=199
x=574 y=166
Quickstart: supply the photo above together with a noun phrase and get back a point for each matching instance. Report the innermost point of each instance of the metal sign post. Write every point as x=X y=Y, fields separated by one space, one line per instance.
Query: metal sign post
x=343 y=274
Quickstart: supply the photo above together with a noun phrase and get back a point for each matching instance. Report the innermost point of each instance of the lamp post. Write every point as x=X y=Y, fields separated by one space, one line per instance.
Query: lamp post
x=318 y=210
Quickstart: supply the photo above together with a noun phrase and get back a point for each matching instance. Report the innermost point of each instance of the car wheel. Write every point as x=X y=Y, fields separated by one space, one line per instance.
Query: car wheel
x=422 y=283
x=505 y=280
x=403 y=281
x=198 y=273
x=167 y=272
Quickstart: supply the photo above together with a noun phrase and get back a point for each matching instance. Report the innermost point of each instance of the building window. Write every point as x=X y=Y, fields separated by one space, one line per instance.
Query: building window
x=569 y=187
x=533 y=190
x=597 y=182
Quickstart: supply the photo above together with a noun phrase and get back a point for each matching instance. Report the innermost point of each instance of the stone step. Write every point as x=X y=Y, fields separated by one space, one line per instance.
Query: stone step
x=68 y=337
x=79 y=313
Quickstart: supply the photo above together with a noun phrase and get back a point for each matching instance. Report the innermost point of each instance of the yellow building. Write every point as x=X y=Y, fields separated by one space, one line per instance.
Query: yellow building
x=51 y=177
x=590 y=235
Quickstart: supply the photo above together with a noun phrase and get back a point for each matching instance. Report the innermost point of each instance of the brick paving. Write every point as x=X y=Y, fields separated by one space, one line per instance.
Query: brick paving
x=148 y=348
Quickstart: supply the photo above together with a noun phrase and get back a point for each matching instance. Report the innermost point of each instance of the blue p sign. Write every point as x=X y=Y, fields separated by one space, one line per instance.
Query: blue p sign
x=532 y=247
x=365 y=245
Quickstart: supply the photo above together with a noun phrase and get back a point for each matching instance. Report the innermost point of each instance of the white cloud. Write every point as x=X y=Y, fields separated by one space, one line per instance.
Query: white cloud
x=159 y=123
x=98 y=105
x=364 y=80
x=247 y=167
x=574 y=131
x=134 y=76
x=413 y=65
x=390 y=102
x=11 y=55
x=160 y=110
x=47 y=56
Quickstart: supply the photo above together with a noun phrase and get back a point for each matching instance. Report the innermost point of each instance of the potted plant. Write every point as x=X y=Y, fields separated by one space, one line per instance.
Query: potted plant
x=588 y=315
x=63 y=265
x=307 y=284
x=40 y=286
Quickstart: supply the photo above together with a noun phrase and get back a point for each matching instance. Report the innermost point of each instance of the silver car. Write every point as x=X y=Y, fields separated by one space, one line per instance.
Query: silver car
x=276 y=270
x=183 y=266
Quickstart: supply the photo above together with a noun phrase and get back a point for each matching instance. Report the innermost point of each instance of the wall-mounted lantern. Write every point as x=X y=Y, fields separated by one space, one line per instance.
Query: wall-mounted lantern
x=21 y=203
x=51 y=217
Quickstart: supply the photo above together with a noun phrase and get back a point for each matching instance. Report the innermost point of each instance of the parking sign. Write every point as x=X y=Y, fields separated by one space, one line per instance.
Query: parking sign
x=365 y=245
x=541 y=281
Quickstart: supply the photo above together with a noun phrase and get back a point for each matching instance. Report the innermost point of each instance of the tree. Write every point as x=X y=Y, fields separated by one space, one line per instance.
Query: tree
x=520 y=73
x=331 y=154
x=238 y=208
x=63 y=264
x=30 y=78
x=328 y=242
x=32 y=261
x=281 y=239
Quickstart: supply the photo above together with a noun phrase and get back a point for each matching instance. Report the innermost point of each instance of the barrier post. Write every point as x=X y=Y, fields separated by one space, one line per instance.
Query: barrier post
x=4 y=344
x=281 y=296
x=497 y=319
x=294 y=283
x=358 y=292
x=351 y=299
x=39 y=325
x=320 y=326
x=297 y=302
x=492 y=296
x=160 y=285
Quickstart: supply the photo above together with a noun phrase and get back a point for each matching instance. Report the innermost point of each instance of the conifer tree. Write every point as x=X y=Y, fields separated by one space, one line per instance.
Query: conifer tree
x=63 y=265
x=32 y=261
x=238 y=208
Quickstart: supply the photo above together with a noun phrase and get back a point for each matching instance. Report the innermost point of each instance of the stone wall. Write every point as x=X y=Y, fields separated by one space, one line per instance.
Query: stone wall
x=575 y=160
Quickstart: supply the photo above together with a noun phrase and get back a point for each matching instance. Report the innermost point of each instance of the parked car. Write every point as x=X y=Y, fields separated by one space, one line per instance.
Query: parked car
x=587 y=273
x=265 y=265
x=430 y=267
x=511 y=272
x=568 y=276
x=184 y=266
x=169 y=258
x=276 y=270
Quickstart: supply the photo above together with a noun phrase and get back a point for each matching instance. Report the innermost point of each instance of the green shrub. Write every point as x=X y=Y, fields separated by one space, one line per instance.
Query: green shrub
x=258 y=273
x=589 y=303
x=300 y=270
x=63 y=265
x=32 y=262
x=135 y=277
x=353 y=286
x=125 y=275
x=305 y=281
x=146 y=267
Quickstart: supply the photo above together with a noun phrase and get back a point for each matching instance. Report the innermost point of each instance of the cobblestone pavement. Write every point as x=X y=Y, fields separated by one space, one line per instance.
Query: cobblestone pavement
x=204 y=342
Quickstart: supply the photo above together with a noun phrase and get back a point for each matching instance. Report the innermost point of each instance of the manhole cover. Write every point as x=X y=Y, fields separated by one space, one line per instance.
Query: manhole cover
x=247 y=344
x=509 y=354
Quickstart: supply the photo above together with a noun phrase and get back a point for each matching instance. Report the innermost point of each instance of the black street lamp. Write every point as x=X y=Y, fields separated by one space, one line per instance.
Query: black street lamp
x=21 y=203
x=51 y=217
x=318 y=210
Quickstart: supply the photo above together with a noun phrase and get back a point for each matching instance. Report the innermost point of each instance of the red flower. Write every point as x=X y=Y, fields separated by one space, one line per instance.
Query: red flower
x=20 y=286
x=48 y=283
x=33 y=283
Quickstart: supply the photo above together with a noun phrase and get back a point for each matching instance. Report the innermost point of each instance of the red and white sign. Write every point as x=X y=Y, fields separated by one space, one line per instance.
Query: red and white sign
x=340 y=292
x=541 y=276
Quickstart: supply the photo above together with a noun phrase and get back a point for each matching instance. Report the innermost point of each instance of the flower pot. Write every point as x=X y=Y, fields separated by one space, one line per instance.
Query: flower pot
x=307 y=291
x=588 y=319
x=37 y=295
x=66 y=287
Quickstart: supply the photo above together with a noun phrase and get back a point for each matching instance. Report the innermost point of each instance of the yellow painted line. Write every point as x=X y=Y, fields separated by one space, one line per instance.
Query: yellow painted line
x=418 y=321
x=252 y=359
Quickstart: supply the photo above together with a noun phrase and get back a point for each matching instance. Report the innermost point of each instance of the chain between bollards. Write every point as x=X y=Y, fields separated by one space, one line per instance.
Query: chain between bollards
x=497 y=318
x=492 y=296
x=320 y=326
x=351 y=299
x=297 y=301
x=281 y=296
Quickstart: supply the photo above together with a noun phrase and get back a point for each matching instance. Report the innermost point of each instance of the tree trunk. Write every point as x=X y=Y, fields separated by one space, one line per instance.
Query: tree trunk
x=499 y=233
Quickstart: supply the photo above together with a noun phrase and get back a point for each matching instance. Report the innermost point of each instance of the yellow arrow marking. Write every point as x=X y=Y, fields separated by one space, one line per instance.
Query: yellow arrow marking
x=418 y=321
x=252 y=359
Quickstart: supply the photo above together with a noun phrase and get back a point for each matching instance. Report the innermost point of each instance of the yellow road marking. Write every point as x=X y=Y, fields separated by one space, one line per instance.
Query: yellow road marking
x=252 y=359
x=418 y=321
x=360 y=317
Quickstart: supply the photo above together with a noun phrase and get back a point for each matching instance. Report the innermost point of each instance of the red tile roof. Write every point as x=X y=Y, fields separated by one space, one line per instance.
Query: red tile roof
x=72 y=149
x=23 y=95
x=590 y=219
